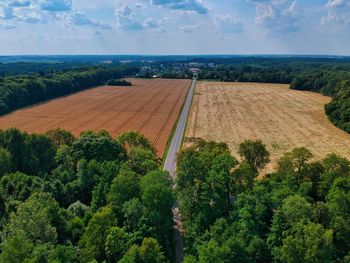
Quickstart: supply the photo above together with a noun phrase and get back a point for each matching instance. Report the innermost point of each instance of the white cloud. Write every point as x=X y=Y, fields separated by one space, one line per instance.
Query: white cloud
x=229 y=24
x=81 y=19
x=277 y=16
x=190 y=28
x=128 y=20
x=338 y=12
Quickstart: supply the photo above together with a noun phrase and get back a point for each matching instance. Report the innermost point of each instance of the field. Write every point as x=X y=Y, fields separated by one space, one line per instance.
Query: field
x=282 y=118
x=149 y=106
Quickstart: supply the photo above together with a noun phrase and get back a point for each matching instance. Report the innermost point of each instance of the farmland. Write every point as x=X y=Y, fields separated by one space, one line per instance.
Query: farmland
x=282 y=118
x=149 y=106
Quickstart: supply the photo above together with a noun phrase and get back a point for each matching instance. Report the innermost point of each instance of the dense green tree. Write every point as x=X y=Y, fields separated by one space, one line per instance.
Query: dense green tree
x=148 y=252
x=14 y=141
x=255 y=154
x=5 y=161
x=93 y=241
x=309 y=243
x=125 y=186
x=158 y=199
x=334 y=167
x=133 y=211
x=60 y=137
x=132 y=139
x=296 y=164
x=39 y=155
x=97 y=146
x=295 y=209
x=18 y=186
x=16 y=249
x=117 y=243
x=142 y=160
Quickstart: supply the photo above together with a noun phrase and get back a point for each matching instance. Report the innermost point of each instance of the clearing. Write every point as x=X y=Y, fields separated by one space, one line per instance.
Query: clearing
x=282 y=118
x=150 y=107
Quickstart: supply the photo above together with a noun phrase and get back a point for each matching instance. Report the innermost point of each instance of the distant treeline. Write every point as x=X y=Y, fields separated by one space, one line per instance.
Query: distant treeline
x=330 y=82
x=21 y=91
x=25 y=68
x=118 y=82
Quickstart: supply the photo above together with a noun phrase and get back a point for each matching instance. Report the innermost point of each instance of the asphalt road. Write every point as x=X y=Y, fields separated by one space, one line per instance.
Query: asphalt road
x=170 y=161
x=170 y=166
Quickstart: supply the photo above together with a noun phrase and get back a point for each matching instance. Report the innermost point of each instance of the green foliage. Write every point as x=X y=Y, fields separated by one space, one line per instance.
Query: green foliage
x=133 y=139
x=117 y=243
x=79 y=194
x=93 y=241
x=5 y=161
x=157 y=198
x=148 y=252
x=300 y=213
x=124 y=187
x=118 y=82
x=255 y=154
x=97 y=146
x=60 y=137
x=309 y=243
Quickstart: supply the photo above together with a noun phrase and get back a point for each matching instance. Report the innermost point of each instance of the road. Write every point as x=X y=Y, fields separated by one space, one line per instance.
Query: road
x=170 y=166
x=170 y=161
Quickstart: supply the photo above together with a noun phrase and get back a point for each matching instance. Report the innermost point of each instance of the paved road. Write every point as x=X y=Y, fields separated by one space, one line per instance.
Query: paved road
x=170 y=161
x=170 y=166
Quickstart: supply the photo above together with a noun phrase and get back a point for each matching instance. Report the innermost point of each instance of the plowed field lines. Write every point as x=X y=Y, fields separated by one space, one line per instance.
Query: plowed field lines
x=282 y=118
x=149 y=106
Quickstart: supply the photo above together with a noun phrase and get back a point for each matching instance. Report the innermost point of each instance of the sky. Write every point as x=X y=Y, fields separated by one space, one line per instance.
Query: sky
x=172 y=27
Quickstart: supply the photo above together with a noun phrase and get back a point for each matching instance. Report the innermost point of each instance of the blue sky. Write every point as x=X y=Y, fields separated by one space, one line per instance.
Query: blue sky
x=174 y=27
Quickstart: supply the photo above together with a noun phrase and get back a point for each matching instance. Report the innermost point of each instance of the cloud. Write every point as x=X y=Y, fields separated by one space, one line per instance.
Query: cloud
x=279 y=16
x=190 y=29
x=80 y=19
x=338 y=12
x=229 y=24
x=56 y=5
x=7 y=26
x=185 y=5
x=128 y=20
x=7 y=13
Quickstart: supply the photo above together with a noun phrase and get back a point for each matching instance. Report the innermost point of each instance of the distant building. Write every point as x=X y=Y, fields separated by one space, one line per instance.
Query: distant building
x=194 y=70
x=193 y=64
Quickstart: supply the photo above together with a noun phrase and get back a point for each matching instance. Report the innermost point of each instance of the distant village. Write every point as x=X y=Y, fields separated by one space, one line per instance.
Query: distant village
x=173 y=69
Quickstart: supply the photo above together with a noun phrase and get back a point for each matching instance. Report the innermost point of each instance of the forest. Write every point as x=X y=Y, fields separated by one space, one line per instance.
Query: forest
x=100 y=199
x=299 y=213
x=24 y=90
x=86 y=199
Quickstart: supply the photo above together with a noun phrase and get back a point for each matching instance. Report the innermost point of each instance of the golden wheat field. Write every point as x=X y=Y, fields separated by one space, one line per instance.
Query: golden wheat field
x=149 y=106
x=282 y=118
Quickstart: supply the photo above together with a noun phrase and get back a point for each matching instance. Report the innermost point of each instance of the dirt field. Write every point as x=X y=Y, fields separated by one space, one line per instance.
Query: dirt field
x=282 y=118
x=149 y=106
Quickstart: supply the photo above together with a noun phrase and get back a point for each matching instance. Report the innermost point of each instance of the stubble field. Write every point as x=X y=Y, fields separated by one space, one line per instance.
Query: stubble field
x=282 y=118
x=149 y=106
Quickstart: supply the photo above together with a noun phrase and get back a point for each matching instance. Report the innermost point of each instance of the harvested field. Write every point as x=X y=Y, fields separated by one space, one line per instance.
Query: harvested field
x=282 y=118
x=149 y=106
